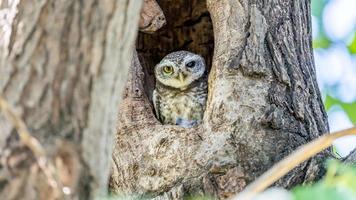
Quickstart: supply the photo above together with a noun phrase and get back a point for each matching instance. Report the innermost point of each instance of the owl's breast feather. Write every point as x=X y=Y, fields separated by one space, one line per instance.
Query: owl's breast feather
x=184 y=108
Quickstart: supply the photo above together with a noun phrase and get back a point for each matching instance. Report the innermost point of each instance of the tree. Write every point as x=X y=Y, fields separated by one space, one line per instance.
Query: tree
x=263 y=101
x=63 y=66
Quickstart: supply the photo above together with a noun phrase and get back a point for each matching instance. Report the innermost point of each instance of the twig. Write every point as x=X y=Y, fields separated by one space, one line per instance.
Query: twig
x=25 y=136
x=287 y=164
x=29 y=141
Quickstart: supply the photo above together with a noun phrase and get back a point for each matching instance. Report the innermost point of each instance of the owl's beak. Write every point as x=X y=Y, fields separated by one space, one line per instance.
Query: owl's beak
x=181 y=77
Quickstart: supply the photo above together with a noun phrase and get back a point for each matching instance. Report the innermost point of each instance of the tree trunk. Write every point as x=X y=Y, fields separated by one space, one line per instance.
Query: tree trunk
x=263 y=101
x=63 y=66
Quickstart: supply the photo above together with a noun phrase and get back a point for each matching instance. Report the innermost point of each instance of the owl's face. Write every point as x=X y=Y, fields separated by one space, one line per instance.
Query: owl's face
x=180 y=69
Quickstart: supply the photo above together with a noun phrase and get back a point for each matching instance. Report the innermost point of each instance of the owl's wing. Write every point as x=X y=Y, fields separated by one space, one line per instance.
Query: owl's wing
x=156 y=103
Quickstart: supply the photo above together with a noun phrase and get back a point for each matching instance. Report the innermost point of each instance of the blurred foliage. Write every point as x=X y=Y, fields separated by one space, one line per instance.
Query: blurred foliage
x=339 y=183
x=322 y=41
x=317 y=7
x=349 y=108
x=352 y=46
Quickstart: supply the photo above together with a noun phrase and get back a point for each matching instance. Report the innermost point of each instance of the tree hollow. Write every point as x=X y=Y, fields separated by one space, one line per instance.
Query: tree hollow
x=188 y=27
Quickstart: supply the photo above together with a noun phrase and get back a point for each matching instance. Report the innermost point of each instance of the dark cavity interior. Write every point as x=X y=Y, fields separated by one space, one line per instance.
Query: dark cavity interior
x=188 y=27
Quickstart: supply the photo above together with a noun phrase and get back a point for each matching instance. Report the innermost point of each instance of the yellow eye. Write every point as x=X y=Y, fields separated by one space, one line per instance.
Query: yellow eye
x=168 y=70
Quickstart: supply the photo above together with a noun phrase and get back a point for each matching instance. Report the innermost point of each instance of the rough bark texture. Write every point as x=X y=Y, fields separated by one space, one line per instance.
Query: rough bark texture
x=351 y=158
x=63 y=67
x=263 y=101
x=151 y=17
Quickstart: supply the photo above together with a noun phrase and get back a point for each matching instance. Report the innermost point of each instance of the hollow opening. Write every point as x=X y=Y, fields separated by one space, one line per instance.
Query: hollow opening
x=189 y=27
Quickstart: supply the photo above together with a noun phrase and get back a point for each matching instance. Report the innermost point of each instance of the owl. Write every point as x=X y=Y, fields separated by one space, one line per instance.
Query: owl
x=181 y=89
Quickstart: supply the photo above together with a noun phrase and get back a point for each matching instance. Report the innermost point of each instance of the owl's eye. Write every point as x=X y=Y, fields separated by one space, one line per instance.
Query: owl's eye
x=168 y=69
x=191 y=64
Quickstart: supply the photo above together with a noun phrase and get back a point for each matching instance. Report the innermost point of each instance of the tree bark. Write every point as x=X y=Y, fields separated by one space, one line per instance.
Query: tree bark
x=263 y=101
x=63 y=66
x=351 y=158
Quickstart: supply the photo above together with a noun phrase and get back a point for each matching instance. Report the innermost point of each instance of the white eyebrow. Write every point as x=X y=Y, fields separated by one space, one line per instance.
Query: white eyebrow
x=189 y=58
x=166 y=62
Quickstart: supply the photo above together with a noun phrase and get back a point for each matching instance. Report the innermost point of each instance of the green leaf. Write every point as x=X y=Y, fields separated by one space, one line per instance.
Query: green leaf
x=352 y=46
x=320 y=192
x=349 y=108
x=338 y=183
x=321 y=42
x=340 y=176
x=330 y=102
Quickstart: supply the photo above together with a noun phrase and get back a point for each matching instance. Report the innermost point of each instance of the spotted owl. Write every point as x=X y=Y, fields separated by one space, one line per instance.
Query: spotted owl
x=180 y=94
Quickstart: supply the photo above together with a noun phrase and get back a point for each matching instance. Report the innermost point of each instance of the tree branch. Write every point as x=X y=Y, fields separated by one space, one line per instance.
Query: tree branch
x=287 y=164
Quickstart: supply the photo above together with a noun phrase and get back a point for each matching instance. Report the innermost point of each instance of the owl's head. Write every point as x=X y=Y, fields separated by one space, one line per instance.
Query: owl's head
x=179 y=69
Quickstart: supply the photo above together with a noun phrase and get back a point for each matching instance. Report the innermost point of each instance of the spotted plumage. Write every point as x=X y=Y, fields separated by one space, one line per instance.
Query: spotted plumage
x=181 y=89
